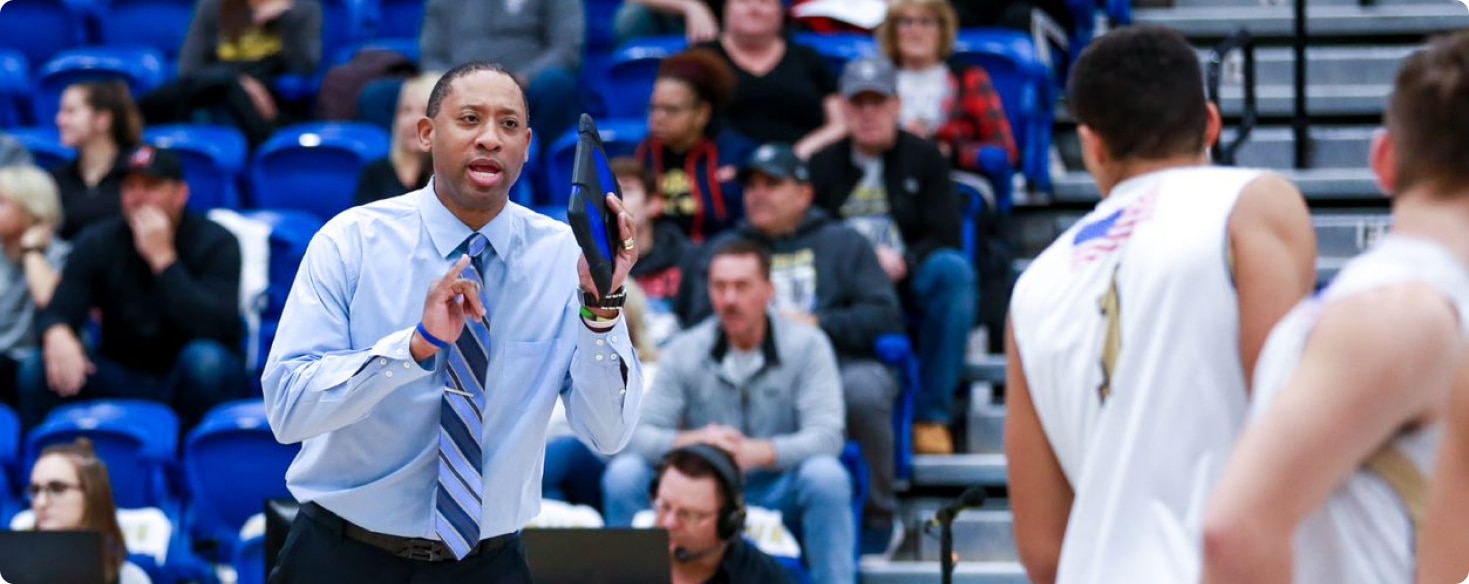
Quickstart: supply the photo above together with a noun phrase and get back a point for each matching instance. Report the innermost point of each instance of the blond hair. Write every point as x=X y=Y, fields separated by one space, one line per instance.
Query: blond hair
x=34 y=190
x=420 y=86
x=887 y=32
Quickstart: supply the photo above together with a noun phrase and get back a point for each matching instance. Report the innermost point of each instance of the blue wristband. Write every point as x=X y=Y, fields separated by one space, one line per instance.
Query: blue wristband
x=430 y=339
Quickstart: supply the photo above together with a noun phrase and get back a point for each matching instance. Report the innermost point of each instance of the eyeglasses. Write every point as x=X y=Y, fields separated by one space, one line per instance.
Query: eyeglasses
x=52 y=489
x=918 y=21
x=669 y=110
x=684 y=516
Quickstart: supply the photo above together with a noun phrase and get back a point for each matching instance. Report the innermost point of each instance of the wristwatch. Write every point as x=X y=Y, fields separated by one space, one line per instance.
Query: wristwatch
x=613 y=300
x=41 y=249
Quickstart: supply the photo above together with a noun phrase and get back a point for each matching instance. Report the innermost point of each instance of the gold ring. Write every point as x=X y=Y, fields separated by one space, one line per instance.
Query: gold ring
x=628 y=244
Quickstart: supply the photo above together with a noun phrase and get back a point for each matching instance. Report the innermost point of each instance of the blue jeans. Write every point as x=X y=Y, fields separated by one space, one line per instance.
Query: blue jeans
x=945 y=291
x=555 y=103
x=817 y=494
x=205 y=375
x=573 y=473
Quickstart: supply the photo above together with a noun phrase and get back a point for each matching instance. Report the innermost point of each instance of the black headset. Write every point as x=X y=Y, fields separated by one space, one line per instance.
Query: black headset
x=732 y=514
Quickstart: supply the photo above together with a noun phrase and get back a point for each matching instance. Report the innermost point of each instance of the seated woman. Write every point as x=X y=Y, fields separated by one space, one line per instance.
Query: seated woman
x=30 y=210
x=406 y=167
x=100 y=121
x=233 y=54
x=953 y=104
x=70 y=491
x=784 y=92
x=693 y=160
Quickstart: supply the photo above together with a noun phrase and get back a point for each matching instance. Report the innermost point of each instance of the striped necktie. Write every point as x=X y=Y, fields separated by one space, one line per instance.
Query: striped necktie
x=457 y=502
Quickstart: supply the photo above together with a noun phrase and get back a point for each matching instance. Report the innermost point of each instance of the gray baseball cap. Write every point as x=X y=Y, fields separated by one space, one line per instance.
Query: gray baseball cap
x=869 y=74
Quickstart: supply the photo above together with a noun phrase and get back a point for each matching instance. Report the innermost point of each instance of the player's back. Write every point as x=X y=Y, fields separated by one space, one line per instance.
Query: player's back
x=1128 y=332
x=1364 y=532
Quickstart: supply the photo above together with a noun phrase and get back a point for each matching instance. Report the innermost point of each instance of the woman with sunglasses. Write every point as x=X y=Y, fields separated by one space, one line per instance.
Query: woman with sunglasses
x=70 y=491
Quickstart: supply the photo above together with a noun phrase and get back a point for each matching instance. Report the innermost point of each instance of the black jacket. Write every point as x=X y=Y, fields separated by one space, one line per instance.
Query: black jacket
x=921 y=196
x=745 y=563
x=855 y=301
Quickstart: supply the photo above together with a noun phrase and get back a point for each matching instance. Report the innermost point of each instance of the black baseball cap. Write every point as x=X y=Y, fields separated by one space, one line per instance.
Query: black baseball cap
x=155 y=162
x=776 y=161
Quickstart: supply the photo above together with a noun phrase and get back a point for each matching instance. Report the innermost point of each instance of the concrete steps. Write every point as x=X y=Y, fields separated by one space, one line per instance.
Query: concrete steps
x=1343 y=147
x=1317 y=183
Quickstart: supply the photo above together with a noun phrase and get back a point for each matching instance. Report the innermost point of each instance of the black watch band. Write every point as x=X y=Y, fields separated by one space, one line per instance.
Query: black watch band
x=613 y=300
x=41 y=249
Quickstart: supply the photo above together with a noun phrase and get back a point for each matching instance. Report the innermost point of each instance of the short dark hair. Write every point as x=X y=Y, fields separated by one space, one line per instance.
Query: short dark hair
x=1141 y=90
x=694 y=466
x=1427 y=116
x=629 y=167
x=446 y=84
x=740 y=246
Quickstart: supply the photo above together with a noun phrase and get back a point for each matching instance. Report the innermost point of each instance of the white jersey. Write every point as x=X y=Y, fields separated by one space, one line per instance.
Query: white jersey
x=1128 y=332
x=1364 y=532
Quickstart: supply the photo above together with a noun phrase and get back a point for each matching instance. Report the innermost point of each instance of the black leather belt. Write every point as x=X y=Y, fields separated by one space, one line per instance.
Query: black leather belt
x=413 y=548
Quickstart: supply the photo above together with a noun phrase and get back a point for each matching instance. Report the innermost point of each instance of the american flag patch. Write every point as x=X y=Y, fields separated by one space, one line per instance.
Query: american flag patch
x=1107 y=234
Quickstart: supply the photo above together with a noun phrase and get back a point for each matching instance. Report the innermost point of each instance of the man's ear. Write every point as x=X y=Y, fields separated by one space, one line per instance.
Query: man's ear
x=426 y=134
x=1384 y=161
x=1214 y=126
x=1093 y=151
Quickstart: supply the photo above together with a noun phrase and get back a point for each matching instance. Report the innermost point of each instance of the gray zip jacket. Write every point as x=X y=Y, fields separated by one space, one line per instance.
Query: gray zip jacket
x=795 y=400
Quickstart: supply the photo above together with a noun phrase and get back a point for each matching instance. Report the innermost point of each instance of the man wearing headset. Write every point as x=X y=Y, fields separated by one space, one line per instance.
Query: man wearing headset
x=699 y=497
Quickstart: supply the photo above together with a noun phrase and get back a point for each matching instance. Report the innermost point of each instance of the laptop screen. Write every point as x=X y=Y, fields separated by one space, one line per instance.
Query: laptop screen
x=598 y=556
x=51 y=557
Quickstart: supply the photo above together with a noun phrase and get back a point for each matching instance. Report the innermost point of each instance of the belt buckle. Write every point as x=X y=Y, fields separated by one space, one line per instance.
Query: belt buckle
x=422 y=550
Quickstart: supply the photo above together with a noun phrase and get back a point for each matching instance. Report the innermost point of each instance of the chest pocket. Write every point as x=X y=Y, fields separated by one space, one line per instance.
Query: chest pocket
x=529 y=372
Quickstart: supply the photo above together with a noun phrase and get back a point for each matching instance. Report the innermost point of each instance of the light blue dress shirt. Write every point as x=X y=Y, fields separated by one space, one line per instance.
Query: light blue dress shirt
x=340 y=378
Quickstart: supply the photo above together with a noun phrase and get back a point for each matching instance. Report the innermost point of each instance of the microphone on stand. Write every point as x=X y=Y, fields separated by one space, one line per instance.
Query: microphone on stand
x=944 y=520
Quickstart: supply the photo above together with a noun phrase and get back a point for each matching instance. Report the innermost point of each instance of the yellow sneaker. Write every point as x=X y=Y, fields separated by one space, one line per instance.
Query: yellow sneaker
x=930 y=438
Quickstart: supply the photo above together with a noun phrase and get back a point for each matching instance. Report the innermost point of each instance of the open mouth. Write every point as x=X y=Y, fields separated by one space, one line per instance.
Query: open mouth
x=486 y=172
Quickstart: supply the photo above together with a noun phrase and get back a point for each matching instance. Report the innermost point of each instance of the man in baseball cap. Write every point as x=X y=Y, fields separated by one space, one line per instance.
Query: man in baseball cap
x=167 y=284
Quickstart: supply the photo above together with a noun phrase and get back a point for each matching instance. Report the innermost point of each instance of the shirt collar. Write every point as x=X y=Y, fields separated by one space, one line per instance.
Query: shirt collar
x=767 y=345
x=447 y=232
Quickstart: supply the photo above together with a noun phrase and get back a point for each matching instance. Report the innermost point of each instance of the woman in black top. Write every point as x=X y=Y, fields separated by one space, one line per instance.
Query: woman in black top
x=406 y=167
x=101 y=122
x=783 y=92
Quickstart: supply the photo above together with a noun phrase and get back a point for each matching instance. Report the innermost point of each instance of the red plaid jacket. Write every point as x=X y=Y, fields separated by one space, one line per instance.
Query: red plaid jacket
x=975 y=118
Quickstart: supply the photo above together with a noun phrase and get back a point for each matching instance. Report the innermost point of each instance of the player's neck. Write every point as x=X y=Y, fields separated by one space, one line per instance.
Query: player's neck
x=1435 y=217
x=1122 y=170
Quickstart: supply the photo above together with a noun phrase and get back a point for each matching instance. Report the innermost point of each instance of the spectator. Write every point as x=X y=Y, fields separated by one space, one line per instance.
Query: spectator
x=30 y=210
x=698 y=20
x=662 y=249
x=99 y=120
x=248 y=45
x=825 y=274
x=12 y=152
x=952 y=104
x=166 y=284
x=763 y=387
x=784 y=92
x=894 y=188
x=407 y=166
x=699 y=497
x=692 y=158
x=538 y=41
x=70 y=491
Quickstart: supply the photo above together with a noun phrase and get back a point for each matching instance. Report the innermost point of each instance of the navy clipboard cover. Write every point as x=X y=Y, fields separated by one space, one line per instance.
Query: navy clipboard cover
x=593 y=223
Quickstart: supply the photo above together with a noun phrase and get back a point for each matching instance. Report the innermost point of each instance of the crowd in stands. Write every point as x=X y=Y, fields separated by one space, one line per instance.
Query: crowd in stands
x=788 y=215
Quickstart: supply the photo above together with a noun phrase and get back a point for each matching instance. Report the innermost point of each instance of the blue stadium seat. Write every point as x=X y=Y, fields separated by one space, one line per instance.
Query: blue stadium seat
x=249 y=561
x=233 y=464
x=213 y=156
x=15 y=88
x=313 y=167
x=41 y=28
x=600 y=16
x=839 y=48
x=620 y=137
x=406 y=46
x=632 y=71
x=290 y=234
x=10 y=472
x=1025 y=86
x=142 y=68
x=137 y=439
x=45 y=145
x=157 y=24
x=400 y=19
x=861 y=486
x=895 y=351
x=346 y=22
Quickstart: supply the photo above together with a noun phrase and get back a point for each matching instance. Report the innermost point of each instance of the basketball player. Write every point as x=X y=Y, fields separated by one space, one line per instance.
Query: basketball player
x=1132 y=335
x=1328 y=483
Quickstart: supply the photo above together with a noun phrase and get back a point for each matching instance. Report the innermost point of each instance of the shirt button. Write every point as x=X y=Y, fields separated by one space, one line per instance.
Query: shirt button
x=613 y=356
x=622 y=391
x=405 y=365
x=382 y=361
x=599 y=357
x=388 y=374
x=601 y=342
x=613 y=340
